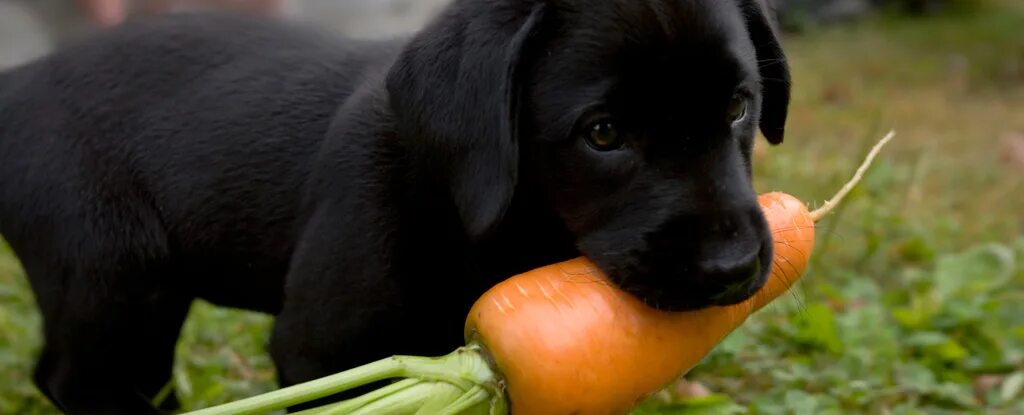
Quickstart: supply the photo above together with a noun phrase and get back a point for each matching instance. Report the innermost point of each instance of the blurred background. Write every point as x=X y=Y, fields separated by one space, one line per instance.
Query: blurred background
x=914 y=303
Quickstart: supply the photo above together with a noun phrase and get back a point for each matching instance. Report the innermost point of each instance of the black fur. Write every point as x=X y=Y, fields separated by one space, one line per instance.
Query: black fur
x=366 y=193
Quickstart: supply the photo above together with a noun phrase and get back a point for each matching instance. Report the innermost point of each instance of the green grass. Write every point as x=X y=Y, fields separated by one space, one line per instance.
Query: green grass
x=914 y=302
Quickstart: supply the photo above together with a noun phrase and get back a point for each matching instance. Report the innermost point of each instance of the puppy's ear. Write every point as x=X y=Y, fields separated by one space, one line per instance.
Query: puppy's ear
x=454 y=92
x=775 y=79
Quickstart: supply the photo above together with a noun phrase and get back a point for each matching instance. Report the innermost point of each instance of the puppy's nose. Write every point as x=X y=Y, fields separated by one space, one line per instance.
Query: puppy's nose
x=732 y=277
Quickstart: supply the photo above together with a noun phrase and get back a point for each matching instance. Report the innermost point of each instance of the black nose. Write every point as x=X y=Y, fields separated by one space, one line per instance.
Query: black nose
x=732 y=277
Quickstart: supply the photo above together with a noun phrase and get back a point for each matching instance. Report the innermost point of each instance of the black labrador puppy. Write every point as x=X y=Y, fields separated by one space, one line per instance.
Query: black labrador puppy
x=366 y=193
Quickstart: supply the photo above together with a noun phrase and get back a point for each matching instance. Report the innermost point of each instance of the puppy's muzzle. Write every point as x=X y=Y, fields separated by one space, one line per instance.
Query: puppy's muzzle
x=717 y=258
x=734 y=278
x=732 y=251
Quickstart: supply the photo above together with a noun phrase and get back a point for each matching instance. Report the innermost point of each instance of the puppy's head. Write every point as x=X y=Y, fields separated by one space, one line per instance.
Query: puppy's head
x=635 y=119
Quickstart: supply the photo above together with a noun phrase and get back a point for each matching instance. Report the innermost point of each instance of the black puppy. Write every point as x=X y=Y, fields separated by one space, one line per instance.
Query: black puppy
x=366 y=193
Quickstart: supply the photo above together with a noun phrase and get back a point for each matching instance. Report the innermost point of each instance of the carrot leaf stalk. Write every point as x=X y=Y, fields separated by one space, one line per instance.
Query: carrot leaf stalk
x=461 y=382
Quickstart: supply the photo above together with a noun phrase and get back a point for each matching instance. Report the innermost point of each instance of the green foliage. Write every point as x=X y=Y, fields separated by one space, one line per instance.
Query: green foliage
x=707 y=405
x=222 y=357
x=914 y=302
x=19 y=339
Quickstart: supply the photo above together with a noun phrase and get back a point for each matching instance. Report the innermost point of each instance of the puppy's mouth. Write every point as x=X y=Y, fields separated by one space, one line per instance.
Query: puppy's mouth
x=679 y=286
x=688 y=297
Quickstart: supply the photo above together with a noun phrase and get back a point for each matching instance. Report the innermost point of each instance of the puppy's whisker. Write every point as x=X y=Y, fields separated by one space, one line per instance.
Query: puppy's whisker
x=765 y=62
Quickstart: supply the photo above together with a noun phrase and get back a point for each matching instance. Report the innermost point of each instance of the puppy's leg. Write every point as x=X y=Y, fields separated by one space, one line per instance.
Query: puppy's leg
x=110 y=359
x=109 y=352
x=99 y=262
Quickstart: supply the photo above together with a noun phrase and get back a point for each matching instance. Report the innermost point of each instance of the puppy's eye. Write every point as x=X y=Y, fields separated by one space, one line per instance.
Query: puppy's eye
x=604 y=136
x=737 y=108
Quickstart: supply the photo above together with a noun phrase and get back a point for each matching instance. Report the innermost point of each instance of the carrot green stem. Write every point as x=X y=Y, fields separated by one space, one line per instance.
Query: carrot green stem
x=830 y=204
x=320 y=410
x=305 y=392
x=442 y=398
x=406 y=401
x=464 y=369
x=353 y=404
x=472 y=398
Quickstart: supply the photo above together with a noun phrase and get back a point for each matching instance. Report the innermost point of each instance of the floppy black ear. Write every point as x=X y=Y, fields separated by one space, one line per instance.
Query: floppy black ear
x=454 y=93
x=775 y=80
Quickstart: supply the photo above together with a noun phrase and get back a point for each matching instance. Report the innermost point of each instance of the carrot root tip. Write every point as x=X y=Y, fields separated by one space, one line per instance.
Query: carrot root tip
x=831 y=204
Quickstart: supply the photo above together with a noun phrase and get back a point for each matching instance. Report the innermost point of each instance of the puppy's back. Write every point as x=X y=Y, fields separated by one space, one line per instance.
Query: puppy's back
x=194 y=115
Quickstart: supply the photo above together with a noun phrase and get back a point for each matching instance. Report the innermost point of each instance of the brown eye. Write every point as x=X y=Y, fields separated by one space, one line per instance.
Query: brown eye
x=737 y=108
x=603 y=136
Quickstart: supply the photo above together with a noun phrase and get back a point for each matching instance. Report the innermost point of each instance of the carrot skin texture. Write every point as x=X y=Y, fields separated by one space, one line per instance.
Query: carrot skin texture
x=567 y=341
